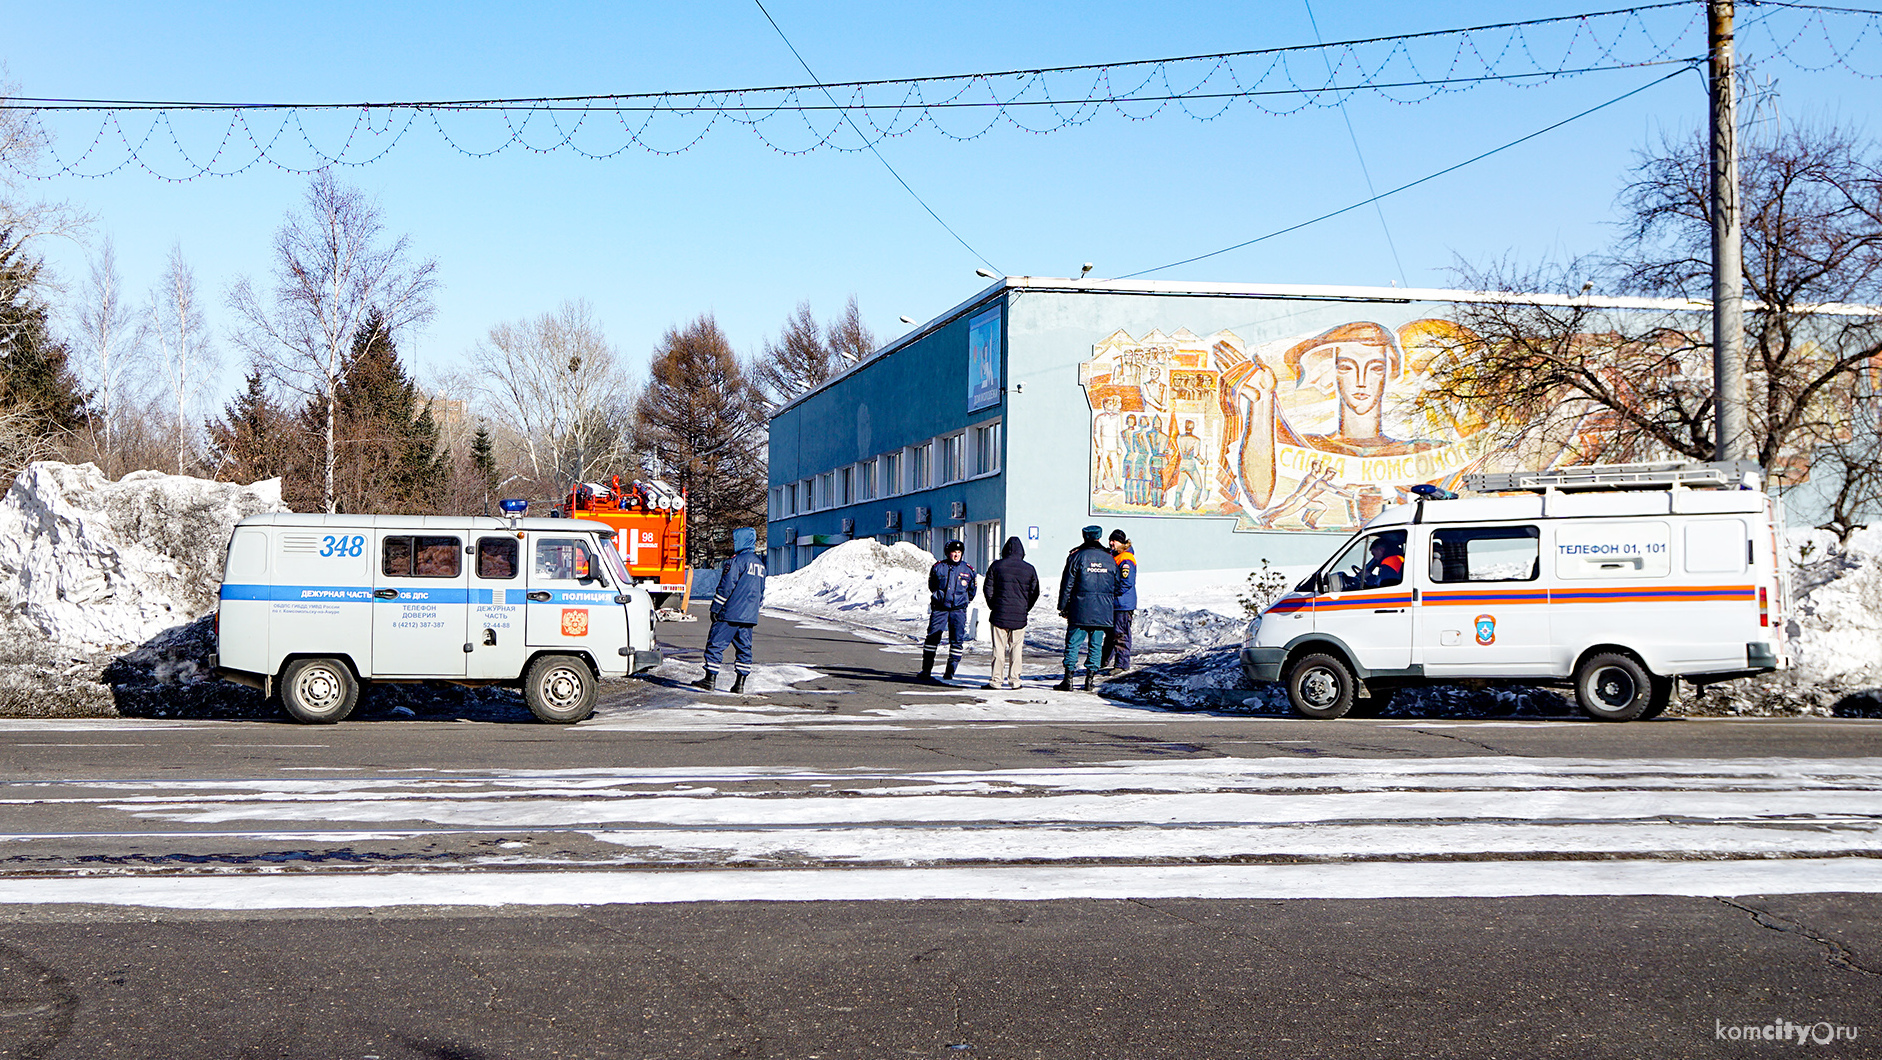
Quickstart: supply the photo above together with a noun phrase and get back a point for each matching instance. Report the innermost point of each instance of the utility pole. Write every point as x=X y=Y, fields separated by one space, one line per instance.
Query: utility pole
x=1728 y=281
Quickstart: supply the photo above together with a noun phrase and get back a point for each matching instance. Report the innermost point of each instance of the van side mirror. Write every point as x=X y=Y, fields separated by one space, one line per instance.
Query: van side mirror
x=1336 y=582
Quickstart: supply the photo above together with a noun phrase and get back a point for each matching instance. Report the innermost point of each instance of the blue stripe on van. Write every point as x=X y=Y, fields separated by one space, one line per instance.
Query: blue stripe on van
x=344 y=594
x=579 y=596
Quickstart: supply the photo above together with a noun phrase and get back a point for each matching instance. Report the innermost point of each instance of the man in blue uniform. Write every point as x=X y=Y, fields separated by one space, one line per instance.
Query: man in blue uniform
x=951 y=585
x=735 y=609
x=1088 y=601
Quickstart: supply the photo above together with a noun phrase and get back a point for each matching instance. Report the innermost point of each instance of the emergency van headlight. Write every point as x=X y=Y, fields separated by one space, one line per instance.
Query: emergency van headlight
x=1254 y=631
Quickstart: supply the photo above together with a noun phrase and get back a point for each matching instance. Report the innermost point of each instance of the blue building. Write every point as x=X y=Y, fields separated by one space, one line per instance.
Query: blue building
x=1216 y=424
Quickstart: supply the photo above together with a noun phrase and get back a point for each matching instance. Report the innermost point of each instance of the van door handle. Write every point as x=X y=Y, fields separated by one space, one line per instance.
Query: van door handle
x=1388 y=610
x=539 y=596
x=384 y=594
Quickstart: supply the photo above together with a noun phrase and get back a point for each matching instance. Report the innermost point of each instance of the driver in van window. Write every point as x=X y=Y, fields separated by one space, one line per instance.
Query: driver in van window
x=1387 y=565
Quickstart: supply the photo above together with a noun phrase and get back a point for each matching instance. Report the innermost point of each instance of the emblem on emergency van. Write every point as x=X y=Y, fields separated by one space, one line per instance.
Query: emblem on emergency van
x=575 y=622
x=1486 y=629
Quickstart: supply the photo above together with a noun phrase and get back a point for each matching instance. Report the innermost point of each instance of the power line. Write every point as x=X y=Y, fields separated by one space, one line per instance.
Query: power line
x=1413 y=184
x=872 y=147
x=1361 y=155
x=52 y=104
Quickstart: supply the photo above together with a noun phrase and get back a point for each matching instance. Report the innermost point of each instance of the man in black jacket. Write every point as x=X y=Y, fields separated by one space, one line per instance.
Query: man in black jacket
x=1012 y=589
x=1087 y=599
x=951 y=585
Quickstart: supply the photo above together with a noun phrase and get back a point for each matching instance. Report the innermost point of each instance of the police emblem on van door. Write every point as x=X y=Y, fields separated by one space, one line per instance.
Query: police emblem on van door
x=575 y=622
x=1486 y=630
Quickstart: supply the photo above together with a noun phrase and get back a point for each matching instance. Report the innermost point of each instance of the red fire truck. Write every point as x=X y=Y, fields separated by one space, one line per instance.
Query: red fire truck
x=649 y=521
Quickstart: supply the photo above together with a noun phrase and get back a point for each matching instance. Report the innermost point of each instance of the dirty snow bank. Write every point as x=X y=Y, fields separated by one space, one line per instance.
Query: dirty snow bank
x=94 y=564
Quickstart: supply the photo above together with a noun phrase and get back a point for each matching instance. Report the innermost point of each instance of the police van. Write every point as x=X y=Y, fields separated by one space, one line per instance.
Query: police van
x=1616 y=580
x=313 y=605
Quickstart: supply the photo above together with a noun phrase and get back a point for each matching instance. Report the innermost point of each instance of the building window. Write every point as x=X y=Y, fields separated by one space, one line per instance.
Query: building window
x=866 y=481
x=891 y=474
x=846 y=486
x=986 y=449
x=790 y=499
x=810 y=495
x=983 y=544
x=953 y=463
x=826 y=489
x=921 y=466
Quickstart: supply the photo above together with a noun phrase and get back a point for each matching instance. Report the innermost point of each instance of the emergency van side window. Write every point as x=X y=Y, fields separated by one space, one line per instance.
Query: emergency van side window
x=1486 y=554
x=496 y=557
x=565 y=559
x=1373 y=562
x=420 y=557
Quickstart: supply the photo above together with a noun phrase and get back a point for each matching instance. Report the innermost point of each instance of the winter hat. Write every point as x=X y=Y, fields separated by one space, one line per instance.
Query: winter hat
x=954 y=546
x=1119 y=535
x=1091 y=532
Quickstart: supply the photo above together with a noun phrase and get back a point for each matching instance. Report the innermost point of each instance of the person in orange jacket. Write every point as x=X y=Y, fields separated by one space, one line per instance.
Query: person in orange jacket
x=1117 y=647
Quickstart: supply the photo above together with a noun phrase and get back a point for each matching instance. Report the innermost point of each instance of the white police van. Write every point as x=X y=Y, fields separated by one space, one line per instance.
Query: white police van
x=1616 y=580
x=312 y=605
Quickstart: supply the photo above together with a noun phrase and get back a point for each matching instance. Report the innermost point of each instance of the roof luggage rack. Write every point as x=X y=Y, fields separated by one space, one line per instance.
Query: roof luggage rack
x=1731 y=474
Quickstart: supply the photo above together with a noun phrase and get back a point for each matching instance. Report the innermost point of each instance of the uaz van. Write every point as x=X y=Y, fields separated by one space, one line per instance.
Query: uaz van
x=313 y=605
x=1616 y=580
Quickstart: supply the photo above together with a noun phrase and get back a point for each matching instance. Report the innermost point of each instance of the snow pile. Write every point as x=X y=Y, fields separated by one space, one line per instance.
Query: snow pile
x=1835 y=623
x=91 y=563
x=857 y=576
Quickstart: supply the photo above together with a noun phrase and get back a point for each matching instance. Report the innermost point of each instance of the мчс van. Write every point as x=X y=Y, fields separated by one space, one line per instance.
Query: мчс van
x=1617 y=580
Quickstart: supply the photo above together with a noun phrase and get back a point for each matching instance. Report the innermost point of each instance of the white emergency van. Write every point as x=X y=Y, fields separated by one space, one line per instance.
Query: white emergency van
x=1616 y=580
x=313 y=605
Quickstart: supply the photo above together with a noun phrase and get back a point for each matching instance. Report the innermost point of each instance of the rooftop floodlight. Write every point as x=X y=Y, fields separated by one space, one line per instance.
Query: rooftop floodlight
x=1085 y=271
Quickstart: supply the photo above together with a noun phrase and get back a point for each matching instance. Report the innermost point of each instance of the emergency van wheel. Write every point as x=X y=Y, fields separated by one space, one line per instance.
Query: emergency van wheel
x=559 y=689
x=1661 y=698
x=1613 y=687
x=318 y=691
x=1320 y=686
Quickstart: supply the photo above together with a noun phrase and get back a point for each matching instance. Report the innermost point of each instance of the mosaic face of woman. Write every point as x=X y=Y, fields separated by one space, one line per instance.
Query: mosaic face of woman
x=1360 y=371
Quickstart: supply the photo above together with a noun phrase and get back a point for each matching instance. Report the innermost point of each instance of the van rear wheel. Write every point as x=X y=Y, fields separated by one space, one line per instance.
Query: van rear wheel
x=1613 y=687
x=1320 y=686
x=318 y=691
x=560 y=689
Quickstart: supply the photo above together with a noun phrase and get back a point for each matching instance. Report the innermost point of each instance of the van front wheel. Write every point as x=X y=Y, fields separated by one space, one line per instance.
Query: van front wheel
x=560 y=689
x=318 y=691
x=1613 y=687
x=1320 y=686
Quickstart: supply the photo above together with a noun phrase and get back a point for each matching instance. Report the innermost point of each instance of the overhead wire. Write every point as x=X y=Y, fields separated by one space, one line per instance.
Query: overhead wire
x=1364 y=170
x=872 y=147
x=1412 y=184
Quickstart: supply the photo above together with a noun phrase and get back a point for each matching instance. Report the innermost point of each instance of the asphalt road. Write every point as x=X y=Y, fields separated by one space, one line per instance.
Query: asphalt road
x=850 y=865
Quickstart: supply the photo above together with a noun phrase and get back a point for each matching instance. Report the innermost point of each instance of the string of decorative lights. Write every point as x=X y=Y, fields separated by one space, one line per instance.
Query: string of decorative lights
x=180 y=141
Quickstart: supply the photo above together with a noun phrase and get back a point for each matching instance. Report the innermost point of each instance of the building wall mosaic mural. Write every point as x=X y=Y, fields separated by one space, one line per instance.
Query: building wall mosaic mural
x=1313 y=432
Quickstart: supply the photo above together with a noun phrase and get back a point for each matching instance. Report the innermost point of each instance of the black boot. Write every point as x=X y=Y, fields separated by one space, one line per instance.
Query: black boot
x=927 y=665
x=1065 y=685
x=948 y=674
x=706 y=681
x=738 y=685
x=1088 y=680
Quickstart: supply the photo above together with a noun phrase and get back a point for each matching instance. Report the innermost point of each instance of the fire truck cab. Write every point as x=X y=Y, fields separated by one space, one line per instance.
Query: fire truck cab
x=649 y=520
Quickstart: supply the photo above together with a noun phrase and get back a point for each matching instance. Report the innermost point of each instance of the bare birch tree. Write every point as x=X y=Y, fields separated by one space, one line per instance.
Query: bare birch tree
x=22 y=140
x=186 y=351
x=554 y=383
x=111 y=334
x=331 y=273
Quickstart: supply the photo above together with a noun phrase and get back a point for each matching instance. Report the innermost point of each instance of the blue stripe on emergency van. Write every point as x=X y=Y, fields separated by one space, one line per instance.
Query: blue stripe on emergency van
x=1671 y=594
x=577 y=596
x=342 y=594
x=1676 y=593
x=1473 y=599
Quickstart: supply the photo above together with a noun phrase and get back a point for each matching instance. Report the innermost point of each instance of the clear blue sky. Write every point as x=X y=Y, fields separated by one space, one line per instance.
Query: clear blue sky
x=738 y=229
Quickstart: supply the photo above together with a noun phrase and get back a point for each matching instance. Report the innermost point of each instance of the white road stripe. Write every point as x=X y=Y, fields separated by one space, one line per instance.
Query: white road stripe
x=1479 y=879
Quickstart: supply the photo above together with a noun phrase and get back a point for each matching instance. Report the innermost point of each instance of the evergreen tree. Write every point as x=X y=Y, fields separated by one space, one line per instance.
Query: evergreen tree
x=483 y=451
x=701 y=425
x=387 y=457
x=256 y=438
x=35 y=371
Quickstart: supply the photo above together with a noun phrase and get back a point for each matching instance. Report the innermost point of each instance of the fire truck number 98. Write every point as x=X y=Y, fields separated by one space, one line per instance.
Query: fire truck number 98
x=342 y=546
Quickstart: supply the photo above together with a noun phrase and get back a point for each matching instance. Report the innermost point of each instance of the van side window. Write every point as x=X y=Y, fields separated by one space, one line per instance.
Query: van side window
x=496 y=557
x=421 y=557
x=1373 y=562
x=1486 y=554
x=565 y=559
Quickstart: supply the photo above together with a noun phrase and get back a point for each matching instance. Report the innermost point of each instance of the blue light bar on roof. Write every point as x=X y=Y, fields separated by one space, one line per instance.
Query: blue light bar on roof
x=514 y=505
